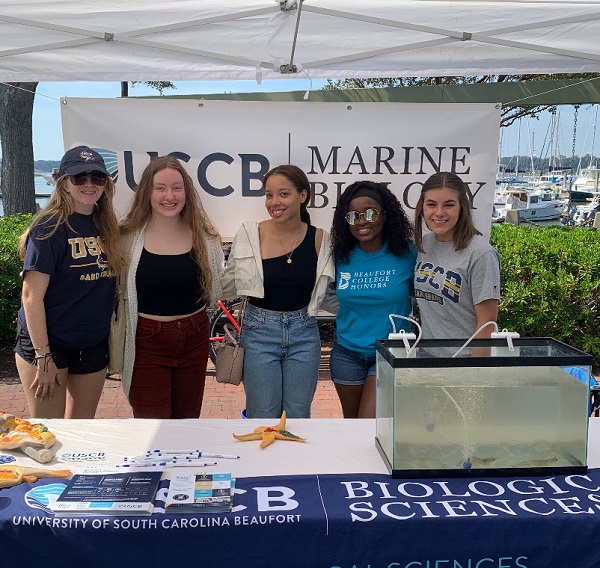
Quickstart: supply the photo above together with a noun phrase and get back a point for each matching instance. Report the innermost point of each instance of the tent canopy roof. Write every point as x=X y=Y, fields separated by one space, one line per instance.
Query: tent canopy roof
x=151 y=40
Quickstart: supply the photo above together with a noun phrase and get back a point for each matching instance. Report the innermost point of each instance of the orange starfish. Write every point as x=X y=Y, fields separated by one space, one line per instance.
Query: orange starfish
x=268 y=434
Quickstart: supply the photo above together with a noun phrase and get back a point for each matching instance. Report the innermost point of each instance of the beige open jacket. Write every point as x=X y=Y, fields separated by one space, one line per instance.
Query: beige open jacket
x=244 y=273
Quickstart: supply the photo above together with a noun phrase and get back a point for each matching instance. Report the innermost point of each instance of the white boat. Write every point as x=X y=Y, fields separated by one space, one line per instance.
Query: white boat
x=586 y=185
x=553 y=181
x=50 y=177
x=533 y=205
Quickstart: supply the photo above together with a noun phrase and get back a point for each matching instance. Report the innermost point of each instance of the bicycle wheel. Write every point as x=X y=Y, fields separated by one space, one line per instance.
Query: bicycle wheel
x=218 y=320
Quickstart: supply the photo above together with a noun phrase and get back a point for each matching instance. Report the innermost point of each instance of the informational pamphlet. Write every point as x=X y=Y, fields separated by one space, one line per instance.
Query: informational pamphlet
x=98 y=491
x=200 y=493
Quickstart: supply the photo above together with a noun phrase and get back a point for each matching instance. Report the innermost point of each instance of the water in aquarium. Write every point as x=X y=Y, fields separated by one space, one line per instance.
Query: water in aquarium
x=480 y=418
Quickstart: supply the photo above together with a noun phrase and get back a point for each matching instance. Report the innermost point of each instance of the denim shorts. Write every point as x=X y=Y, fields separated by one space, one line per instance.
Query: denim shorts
x=76 y=361
x=281 y=362
x=350 y=367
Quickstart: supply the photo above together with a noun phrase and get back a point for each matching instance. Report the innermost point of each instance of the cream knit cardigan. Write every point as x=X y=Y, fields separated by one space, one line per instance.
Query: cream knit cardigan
x=215 y=261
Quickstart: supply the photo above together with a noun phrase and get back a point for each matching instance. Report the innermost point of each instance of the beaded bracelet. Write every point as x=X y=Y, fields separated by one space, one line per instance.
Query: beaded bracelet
x=47 y=358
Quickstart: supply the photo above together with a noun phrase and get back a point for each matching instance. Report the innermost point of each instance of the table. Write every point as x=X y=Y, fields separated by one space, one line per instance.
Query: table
x=327 y=503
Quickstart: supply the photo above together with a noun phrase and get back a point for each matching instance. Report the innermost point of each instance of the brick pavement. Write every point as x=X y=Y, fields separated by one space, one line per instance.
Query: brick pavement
x=220 y=401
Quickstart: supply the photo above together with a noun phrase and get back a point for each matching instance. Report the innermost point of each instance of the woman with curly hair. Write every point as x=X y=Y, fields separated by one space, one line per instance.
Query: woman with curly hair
x=71 y=254
x=374 y=263
x=174 y=265
x=457 y=277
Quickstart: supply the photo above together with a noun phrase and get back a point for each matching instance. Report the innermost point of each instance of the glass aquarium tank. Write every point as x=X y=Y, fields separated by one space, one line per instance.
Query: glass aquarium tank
x=485 y=410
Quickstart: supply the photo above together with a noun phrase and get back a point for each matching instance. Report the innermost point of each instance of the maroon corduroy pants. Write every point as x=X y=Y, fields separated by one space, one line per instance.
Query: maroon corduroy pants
x=170 y=367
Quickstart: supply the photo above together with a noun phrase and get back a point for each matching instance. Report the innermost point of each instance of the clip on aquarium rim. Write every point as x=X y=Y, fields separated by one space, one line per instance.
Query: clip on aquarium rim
x=577 y=358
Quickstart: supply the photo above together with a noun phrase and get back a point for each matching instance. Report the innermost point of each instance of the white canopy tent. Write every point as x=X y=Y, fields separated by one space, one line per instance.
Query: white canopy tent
x=128 y=40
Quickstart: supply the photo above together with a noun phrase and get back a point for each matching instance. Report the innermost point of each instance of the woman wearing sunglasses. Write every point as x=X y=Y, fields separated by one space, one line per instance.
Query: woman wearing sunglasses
x=71 y=254
x=457 y=277
x=283 y=266
x=374 y=265
x=174 y=266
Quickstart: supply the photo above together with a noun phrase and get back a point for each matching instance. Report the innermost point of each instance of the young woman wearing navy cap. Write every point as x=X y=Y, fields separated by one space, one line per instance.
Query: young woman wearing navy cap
x=71 y=254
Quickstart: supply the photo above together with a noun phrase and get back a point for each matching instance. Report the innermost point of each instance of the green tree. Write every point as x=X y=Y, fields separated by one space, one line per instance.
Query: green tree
x=160 y=86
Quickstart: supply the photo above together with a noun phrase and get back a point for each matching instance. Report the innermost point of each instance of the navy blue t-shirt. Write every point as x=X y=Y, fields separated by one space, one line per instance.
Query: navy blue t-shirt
x=80 y=296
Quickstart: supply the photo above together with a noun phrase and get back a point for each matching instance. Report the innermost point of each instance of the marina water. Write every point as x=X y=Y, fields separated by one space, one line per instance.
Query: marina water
x=42 y=193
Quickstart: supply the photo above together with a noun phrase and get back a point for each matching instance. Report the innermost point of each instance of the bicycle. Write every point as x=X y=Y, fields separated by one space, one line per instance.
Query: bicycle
x=228 y=312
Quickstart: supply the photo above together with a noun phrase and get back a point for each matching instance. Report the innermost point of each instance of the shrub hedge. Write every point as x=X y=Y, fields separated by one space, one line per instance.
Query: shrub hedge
x=550 y=281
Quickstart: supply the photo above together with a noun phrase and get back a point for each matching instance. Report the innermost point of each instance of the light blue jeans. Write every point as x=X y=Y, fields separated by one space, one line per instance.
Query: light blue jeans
x=281 y=362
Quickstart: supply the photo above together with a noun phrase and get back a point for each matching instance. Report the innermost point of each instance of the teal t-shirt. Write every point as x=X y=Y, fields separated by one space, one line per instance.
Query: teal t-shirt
x=370 y=287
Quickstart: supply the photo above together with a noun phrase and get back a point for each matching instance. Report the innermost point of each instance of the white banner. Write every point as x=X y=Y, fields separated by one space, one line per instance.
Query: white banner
x=228 y=146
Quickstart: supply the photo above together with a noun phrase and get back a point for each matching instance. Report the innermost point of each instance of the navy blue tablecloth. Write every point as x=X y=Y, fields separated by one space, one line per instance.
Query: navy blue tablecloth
x=328 y=521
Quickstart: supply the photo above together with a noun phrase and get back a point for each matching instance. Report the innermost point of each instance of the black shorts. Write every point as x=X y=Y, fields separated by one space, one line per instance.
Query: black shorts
x=76 y=361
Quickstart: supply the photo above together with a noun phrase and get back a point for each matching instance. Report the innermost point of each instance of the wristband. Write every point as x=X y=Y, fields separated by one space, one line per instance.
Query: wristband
x=40 y=348
x=47 y=357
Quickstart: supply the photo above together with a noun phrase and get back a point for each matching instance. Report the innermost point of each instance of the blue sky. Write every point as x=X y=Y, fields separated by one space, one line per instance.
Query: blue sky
x=529 y=137
x=541 y=137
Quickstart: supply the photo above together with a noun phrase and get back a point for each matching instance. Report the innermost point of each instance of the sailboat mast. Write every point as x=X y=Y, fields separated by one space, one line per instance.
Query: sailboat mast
x=592 y=159
x=518 y=151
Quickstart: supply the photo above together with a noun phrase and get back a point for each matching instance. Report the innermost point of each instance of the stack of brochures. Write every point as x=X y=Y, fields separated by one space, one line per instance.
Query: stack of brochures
x=98 y=491
x=200 y=493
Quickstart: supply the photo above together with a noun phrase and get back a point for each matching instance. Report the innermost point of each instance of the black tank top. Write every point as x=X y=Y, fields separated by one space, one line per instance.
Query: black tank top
x=288 y=287
x=168 y=285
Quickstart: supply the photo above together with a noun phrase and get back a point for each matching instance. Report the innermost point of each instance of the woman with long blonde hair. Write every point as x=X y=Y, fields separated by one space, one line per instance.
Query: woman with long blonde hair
x=71 y=253
x=173 y=269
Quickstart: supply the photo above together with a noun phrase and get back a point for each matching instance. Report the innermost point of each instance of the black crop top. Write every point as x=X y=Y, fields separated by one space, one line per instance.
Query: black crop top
x=288 y=287
x=168 y=284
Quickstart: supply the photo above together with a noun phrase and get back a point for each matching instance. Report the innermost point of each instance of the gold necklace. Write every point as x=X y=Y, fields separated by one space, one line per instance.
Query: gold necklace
x=289 y=255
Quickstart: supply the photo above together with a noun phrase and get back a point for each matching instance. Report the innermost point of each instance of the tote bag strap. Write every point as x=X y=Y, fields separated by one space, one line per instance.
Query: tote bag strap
x=229 y=337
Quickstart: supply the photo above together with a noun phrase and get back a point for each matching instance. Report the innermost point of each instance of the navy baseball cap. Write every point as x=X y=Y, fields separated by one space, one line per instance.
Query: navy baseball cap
x=81 y=159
